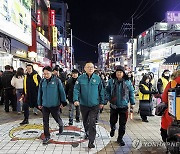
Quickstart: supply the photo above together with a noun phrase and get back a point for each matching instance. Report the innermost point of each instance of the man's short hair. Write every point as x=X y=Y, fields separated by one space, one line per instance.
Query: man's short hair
x=30 y=65
x=88 y=62
x=75 y=71
x=48 y=68
x=7 y=67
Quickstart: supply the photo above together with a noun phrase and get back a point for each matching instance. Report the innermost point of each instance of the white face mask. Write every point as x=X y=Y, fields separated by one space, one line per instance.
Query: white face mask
x=166 y=74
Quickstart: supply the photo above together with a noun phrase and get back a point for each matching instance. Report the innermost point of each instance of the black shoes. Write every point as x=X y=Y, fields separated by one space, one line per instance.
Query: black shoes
x=121 y=142
x=77 y=120
x=46 y=140
x=91 y=145
x=112 y=132
x=145 y=120
x=25 y=121
x=70 y=122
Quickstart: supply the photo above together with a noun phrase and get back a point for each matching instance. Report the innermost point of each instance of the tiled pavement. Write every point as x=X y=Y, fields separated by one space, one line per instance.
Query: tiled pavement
x=140 y=137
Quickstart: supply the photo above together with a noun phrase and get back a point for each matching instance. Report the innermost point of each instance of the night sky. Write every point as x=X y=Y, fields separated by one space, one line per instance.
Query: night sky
x=94 y=20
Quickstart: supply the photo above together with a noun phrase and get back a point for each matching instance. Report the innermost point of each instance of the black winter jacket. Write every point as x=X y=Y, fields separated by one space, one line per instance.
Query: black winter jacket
x=6 y=80
x=69 y=88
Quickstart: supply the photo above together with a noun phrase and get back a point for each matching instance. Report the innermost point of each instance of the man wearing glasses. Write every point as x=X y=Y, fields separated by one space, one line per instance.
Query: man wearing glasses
x=89 y=94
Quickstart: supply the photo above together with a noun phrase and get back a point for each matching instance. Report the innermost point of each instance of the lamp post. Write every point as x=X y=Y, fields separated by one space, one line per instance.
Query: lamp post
x=71 y=52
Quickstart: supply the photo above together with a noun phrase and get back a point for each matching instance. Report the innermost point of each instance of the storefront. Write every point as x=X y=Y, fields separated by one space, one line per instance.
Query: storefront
x=43 y=51
x=19 y=52
x=6 y=58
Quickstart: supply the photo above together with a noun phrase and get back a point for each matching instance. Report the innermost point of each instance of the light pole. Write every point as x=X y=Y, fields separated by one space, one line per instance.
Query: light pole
x=71 y=52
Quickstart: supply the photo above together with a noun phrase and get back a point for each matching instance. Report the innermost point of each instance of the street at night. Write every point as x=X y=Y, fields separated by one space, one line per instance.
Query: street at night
x=86 y=77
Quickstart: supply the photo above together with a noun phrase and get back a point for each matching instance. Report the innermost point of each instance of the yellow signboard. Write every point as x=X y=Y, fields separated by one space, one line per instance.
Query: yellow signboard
x=54 y=36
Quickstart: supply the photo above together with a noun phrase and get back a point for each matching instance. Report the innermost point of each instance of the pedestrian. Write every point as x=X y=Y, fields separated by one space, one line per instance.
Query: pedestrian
x=51 y=97
x=163 y=81
x=89 y=94
x=17 y=82
x=9 y=90
x=30 y=92
x=145 y=97
x=131 y=78
x=69 y=93
x=1 y=90
x=119 y=92
x=166 y=119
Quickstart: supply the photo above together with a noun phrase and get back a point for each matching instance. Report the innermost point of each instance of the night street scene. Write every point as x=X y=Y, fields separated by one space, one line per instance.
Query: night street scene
x=89 y=77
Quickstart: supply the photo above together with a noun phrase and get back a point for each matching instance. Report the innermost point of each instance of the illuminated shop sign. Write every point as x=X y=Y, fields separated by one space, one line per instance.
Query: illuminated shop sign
x=54 y=36
x=173 y=16
x=38 y=17
x=52 y=18
x=15 y=19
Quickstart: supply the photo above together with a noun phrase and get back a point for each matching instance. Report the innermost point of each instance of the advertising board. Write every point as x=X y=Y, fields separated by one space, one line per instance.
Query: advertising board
x=15 y=19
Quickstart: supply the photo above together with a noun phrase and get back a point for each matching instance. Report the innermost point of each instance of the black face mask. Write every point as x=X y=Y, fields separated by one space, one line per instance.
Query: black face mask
x=167 y=77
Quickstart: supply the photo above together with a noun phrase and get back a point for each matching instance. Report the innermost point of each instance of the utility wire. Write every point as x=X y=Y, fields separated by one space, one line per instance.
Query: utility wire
x=141 y=10
x=84 y=42
x=137 y=8
x=146 y=10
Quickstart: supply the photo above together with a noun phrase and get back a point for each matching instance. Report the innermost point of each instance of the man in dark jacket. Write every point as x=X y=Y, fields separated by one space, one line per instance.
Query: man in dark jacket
x=9 y=94
x=30 y=91
x=69 y=93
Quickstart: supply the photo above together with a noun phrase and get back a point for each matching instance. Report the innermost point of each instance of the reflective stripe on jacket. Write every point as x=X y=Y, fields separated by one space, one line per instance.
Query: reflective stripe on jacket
x=144 y=96
x=35 y=79
x=165 y=82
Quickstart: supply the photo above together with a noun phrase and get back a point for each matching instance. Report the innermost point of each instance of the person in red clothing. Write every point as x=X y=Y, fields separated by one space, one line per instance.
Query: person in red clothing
x=166 y=119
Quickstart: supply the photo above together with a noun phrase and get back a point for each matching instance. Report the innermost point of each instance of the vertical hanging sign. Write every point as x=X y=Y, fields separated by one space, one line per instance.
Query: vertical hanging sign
x=38 y=17
x=54 y=36
x=52 y=18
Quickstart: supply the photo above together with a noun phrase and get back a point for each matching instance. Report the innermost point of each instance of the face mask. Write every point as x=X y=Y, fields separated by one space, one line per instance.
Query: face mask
x=166 y=75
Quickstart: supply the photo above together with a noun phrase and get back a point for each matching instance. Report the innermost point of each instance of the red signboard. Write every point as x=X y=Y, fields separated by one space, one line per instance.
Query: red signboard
x=52 y=18
x=38 y=17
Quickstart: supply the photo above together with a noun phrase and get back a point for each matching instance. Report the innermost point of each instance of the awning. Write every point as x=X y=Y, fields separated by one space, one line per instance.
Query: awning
x=174 y=59
x=151 y=61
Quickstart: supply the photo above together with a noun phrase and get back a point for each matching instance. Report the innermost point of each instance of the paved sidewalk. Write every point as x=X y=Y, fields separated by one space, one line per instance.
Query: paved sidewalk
x=140 y=137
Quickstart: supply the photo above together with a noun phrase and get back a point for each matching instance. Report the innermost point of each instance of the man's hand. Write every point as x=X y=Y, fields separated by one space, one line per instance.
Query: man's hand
x=131 y=107
x=61 y=106
x=76 y=103
x=40 y=107
x=101 y=106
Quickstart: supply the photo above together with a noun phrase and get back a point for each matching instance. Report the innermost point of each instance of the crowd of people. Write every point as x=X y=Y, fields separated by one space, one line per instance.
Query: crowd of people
x=86 y=92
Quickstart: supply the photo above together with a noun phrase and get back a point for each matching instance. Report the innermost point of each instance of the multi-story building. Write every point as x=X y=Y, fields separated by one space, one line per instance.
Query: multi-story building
x=103 y=50
x=15 y=32
x=157 y=43
x=62 y=22
x=118 y=51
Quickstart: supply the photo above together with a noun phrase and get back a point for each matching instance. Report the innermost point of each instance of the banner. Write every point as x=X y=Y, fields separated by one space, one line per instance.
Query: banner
x=38 y=17
x=52 y=18
x=54 y=36
x=15 y=19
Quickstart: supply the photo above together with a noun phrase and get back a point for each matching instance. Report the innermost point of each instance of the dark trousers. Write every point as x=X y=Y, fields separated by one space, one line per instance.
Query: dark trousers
x=2 y=97
x=143 y=117
x=123 y=115
x=9 y=96
x=55 y=112
x=26 y=110
x=164 y=134
x=89 y=115
x=71 y=112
